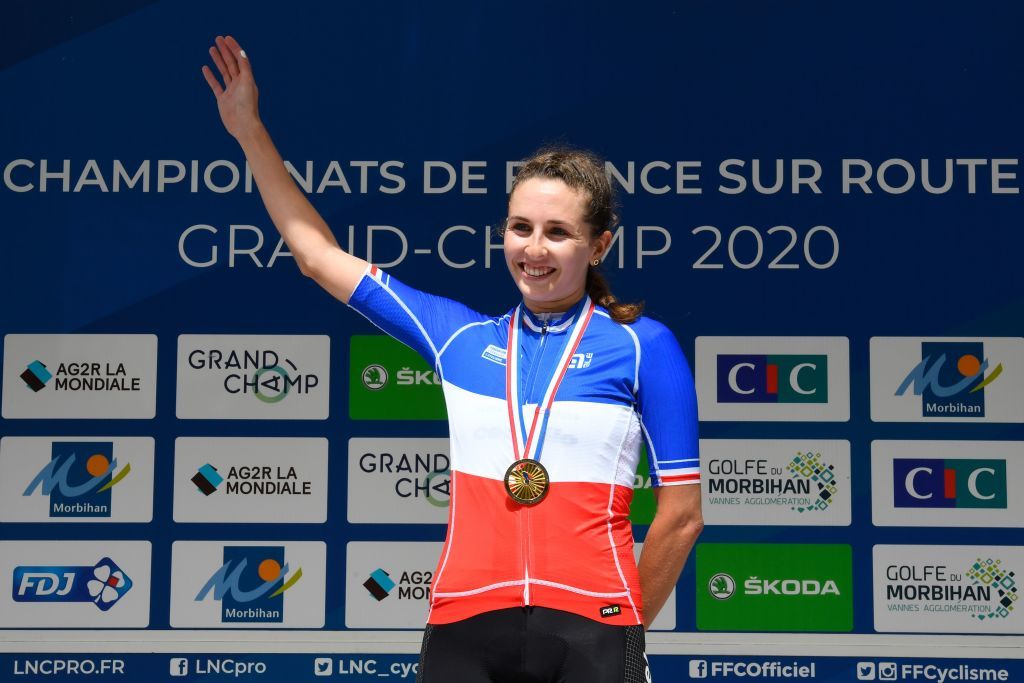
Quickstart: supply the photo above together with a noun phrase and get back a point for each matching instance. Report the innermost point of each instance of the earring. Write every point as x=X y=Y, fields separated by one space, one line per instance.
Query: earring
x=595 y=262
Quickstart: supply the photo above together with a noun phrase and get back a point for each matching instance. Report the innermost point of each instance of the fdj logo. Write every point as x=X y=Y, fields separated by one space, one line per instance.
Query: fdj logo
x=772 y=379
x=78 y=479
x=931 y=483
x=36 y=376
x=950 y=379
x=380 y=584
x=104 y=584
x=250 y=584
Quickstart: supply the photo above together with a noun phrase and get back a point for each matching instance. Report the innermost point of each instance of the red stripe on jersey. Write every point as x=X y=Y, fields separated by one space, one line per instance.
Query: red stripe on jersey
x=681 y=477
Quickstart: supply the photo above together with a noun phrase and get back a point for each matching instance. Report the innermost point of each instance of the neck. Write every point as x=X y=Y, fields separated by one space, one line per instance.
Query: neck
x=560 y=306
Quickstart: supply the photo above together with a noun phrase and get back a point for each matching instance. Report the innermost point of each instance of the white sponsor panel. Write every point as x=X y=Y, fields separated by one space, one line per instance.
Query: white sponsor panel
x=769 y=379
x=75 y=584
x=259 y=480
x=387 y=585
x=76 y=479
x=231 y=584
x=253 y=377
x=947 y=379
x=72 y=376
x=947 y=483
x=948 y=588
x=398 y=481
x=754 y=482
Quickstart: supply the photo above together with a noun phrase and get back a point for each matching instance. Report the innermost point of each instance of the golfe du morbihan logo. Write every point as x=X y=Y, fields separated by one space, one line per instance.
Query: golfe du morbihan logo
x=985 y=590
x=951 y=379
x=78 y=479
x=251 y=583
x=103 y=584
x=808 y=484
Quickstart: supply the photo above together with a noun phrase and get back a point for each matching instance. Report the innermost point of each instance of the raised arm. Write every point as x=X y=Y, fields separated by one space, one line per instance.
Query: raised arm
x=304 y=231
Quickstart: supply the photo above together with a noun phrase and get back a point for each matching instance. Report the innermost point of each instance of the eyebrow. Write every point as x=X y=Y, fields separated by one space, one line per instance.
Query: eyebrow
x=554 y=221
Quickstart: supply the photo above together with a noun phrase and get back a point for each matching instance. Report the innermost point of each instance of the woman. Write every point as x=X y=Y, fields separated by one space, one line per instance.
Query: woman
x=548 y=405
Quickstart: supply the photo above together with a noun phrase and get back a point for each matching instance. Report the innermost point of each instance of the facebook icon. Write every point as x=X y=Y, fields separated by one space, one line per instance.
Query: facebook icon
x=179 y=666
x=698 y=668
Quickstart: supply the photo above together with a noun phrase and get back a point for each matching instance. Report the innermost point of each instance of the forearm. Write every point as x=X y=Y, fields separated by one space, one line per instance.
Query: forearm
x=664 y=554
x=302 y=228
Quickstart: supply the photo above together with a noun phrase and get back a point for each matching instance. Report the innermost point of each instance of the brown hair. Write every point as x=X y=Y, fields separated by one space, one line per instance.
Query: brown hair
x=584 y=172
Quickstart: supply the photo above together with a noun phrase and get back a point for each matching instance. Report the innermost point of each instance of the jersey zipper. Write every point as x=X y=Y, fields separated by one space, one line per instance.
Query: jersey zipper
x=524 y=513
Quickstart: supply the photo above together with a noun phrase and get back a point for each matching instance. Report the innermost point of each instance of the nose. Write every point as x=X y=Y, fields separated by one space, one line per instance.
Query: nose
x=535 y=247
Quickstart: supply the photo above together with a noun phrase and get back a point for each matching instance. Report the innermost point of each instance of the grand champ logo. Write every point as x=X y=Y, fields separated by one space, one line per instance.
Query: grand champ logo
x=261 y=373
x=984 y=590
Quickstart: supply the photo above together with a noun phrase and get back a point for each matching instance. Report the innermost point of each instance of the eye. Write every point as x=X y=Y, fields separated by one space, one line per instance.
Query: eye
x=519 y=227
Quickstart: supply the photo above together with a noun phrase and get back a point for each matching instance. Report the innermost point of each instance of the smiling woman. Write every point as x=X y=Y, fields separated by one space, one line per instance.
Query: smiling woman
x=548 y=406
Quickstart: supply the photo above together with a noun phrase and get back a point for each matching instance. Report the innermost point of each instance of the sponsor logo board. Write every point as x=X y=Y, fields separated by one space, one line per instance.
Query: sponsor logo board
x=76 y=479
x=936 y=379
x=774 y=587
x=262 y=480
x=773 y=378
x=248 y=584
x=398 y=481
x=947 y=588
x=73 y=376
x=387 y=585
x=786 y=483
x=947 y=483
x=390 y=381
x=75 y=584
x=253 y=377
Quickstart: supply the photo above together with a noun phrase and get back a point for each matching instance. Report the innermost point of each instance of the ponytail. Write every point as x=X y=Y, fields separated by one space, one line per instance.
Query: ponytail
x=601 y=294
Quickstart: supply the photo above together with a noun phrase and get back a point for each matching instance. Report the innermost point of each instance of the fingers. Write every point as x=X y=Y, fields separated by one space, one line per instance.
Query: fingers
x=211 y=80
x=239 y=53
x=228 y=56
x=221 y=66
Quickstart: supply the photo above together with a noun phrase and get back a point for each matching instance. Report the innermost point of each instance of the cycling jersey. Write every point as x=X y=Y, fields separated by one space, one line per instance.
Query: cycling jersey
x=625 y=385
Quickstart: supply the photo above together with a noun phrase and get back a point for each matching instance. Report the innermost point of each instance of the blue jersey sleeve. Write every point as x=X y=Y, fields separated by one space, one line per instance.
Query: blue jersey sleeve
x=421 y=321
x=667 y=403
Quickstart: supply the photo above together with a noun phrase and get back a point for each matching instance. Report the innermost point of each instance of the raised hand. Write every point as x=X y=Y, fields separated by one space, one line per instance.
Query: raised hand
x=237 y=98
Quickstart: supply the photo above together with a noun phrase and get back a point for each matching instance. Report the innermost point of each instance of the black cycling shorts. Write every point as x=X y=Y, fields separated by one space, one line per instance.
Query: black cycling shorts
x=532 y=645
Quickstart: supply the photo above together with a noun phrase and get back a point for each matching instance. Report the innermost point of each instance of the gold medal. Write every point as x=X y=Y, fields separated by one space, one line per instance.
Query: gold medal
x=526 y=482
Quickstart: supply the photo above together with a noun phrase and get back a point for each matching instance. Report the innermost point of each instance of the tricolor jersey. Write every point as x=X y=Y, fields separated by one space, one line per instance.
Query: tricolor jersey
x=625 y=385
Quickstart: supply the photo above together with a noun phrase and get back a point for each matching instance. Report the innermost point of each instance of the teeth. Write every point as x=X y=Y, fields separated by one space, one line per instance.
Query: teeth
x=536 y=272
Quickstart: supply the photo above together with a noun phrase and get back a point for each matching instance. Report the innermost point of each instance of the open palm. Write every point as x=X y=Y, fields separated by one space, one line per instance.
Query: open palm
x=237 y=98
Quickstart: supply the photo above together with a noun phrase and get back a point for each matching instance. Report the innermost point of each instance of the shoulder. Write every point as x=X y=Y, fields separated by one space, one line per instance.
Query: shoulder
x=645 y=332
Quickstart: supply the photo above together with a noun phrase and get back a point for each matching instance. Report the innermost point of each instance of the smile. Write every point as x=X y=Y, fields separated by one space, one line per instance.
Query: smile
x=536 y=272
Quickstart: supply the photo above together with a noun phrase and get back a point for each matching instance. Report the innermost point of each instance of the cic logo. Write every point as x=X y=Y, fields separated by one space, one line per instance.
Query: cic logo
x=949 y=483
x=775 y=378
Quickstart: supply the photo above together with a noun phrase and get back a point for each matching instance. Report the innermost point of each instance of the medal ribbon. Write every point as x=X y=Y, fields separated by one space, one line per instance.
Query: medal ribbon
x=540 y=414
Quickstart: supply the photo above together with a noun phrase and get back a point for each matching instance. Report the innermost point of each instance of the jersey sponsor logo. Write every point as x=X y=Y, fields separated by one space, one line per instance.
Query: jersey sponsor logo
x=78 y=479
x=103 y=584
x=939 y=483
x=495 y=354
x=951 y=379
x=777 y=378
x=610 y=611
x=580 y=361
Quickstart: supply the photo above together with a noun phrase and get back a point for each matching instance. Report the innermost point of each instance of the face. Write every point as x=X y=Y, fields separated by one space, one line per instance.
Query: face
x=548 y=246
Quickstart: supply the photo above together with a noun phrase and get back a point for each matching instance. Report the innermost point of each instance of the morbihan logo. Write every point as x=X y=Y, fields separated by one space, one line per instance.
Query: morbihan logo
x=951 y=379
x=251 y=583
x=949 y=483
x=775 y=378
x=78 y=479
